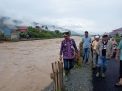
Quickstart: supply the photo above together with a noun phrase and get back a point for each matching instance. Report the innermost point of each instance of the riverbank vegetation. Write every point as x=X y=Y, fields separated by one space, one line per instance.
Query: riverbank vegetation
x=40 y=33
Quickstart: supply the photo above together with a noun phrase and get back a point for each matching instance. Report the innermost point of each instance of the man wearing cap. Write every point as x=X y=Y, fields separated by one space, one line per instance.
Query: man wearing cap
x=104 y=50
x=94 y=47
x=86 y=47
x=68 y=50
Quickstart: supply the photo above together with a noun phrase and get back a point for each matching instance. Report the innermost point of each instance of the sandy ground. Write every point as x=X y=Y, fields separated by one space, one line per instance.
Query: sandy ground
x=26 y=65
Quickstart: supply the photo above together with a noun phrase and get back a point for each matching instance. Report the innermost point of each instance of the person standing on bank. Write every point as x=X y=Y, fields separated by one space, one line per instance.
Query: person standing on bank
x=94 y=47
x=104 y=51
x=68 y=50
x=86 y=47
x=119 y=59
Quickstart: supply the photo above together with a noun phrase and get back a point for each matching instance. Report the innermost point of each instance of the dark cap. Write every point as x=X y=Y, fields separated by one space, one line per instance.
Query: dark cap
x=67 y=33
x=105 y=35
x=86 y=31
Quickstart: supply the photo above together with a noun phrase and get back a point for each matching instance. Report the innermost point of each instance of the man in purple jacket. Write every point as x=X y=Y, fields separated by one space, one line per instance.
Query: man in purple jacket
x=68 y=52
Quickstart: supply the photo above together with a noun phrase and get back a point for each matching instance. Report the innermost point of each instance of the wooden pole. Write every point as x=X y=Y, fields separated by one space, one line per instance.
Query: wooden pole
x=57 y=75
x=61 y=74
x=54 y=76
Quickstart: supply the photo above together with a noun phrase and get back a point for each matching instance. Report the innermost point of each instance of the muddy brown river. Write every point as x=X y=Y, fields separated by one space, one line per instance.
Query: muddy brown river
x=26 y=65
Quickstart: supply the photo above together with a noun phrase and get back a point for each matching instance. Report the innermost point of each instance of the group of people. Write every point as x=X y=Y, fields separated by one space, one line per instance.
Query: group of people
x=101 y=49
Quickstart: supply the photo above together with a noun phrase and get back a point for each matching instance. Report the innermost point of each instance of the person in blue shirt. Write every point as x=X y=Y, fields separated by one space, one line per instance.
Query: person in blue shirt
x=119 y=58
x=86 y=47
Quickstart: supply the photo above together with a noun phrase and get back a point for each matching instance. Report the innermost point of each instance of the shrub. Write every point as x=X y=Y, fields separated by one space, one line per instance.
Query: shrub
x=40 y=33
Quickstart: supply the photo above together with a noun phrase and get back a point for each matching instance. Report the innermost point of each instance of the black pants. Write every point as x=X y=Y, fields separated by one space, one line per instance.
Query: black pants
x=121 y=69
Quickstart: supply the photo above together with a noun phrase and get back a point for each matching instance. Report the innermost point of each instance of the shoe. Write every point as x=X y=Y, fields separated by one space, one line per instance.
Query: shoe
x=118 y=85
x=98 y=74
x=103 y=75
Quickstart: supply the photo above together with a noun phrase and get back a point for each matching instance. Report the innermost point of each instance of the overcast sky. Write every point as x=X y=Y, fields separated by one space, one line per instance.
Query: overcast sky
x=97 y=16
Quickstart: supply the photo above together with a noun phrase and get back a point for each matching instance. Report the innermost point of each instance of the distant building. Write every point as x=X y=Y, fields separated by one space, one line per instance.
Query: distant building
x=7 y=32
x=15 y=34
x=22 y=28
x=10 y=34
x=116 y=31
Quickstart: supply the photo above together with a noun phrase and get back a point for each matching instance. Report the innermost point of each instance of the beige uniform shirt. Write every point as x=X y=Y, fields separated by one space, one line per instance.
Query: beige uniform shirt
x=94 y=44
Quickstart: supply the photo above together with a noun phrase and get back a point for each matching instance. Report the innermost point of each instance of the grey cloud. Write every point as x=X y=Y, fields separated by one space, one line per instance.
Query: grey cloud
x=94 y=15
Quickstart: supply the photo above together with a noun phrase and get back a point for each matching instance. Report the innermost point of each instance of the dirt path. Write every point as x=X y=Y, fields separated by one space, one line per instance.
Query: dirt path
x=112 y=75
x=80 y=79
x=26 y=65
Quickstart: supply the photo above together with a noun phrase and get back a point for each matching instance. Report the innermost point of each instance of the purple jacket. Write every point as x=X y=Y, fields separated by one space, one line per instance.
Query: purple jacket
x=68 y=49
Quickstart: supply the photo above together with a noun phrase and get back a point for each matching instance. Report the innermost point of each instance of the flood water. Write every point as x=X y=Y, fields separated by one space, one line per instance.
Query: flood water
x=26 y=65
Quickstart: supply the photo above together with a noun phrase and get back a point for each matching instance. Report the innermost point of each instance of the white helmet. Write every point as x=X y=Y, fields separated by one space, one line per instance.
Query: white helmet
x=97 y=36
